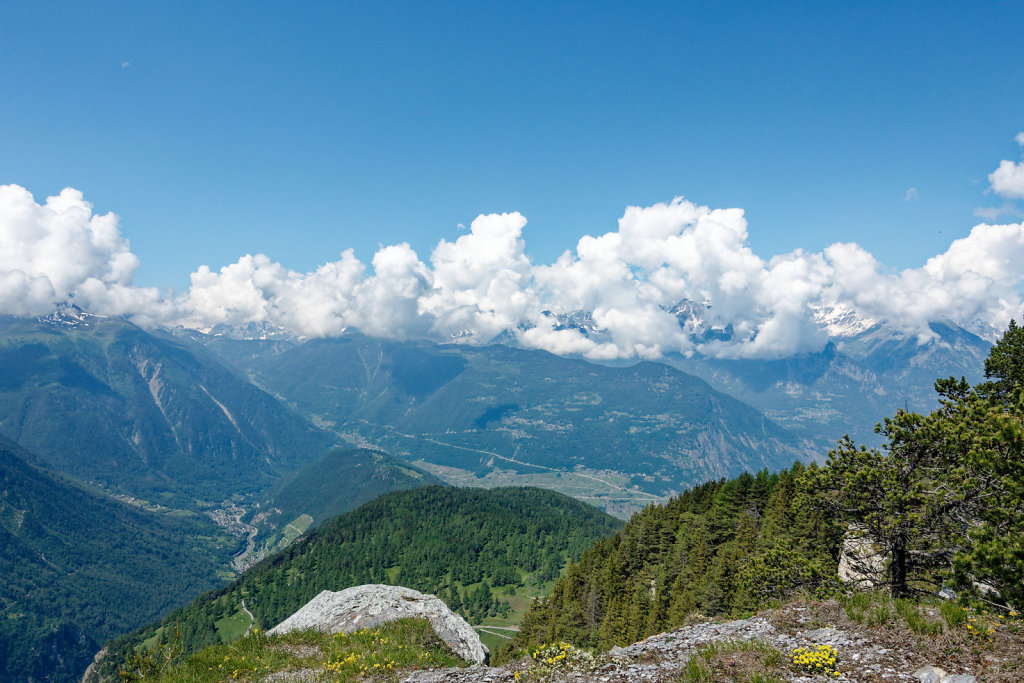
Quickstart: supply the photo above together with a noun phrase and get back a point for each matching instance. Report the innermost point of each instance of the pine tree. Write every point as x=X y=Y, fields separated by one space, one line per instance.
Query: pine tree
x=1005 y=366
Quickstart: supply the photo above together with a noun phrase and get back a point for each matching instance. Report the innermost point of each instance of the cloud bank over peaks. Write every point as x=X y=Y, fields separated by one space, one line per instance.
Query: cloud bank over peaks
x=61 y=252
x=618 y=294
x=673 y=277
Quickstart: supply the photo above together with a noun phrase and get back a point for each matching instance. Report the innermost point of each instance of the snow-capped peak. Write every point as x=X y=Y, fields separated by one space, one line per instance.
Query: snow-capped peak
x=842 y=321
x=70 y=315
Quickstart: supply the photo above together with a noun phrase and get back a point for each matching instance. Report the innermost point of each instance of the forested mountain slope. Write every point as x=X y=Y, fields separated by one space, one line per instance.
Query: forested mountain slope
x=140 y=413
x=143 y=414
x=719 y=548
x=78 y=567
x=941 y=506
x=457 y=543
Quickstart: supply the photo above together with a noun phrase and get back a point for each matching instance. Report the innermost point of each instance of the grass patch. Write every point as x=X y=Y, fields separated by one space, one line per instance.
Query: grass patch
x=954 y=614
x=381 y=653
x=741 y=661
x=233 y=627
x=878 y=609
x=916 y=619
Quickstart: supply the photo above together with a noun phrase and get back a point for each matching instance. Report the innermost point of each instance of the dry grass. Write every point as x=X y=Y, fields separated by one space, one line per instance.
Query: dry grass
x=917 y=634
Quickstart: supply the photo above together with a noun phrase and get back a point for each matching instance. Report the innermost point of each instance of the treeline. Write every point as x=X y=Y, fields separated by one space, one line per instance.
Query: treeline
x=456 y=543
x=720 y=548
x=943 y=502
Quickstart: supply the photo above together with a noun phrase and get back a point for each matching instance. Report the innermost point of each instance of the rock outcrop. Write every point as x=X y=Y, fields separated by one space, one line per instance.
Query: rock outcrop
x=374 y=604
x=860 y=561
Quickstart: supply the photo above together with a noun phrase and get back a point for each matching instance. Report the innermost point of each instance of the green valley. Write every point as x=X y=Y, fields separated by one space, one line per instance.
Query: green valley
x=485 y=552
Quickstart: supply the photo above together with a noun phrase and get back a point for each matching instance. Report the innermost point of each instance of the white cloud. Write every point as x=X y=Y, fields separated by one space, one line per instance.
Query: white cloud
x=977 y=278
x=60 y=251
x=611 y=297
x=1008 y=180
x=910 y=195
x=993 y=213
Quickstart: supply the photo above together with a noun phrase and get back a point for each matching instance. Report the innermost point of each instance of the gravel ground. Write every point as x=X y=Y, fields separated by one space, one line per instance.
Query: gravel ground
x=888 y=653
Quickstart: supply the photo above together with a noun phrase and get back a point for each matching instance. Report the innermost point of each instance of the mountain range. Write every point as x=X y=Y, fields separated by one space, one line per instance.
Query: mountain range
x=497 y=414
x=206 y=452
x=141 y=413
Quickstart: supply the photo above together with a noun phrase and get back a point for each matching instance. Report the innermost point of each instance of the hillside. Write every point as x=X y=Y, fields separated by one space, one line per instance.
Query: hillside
x=495 y=414
x=342 y=480
x=939 y=511
x=143 y=414
x=79 y=567
x=475 y=548
x=718 y=549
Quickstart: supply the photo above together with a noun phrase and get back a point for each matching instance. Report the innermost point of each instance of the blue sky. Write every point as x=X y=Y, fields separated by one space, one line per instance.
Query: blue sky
x=301 y=129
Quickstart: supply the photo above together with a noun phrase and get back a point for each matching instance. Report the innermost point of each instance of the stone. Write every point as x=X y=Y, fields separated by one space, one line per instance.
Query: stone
x=860 y=561
x=959 y=678
x=930 y=674
x=375 y=604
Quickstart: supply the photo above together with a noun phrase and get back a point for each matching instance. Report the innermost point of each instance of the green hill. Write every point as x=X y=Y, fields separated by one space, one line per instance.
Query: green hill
x=79 y=567
x=475 y=548
x=719 y=548
x=342 y=480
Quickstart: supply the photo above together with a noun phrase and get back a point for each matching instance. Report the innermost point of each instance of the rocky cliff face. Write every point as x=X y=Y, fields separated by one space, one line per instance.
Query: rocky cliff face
x=374 y=604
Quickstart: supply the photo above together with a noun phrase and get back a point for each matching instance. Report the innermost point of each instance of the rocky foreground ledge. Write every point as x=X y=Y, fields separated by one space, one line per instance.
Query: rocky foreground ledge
x=887 y=653
x=868 y=637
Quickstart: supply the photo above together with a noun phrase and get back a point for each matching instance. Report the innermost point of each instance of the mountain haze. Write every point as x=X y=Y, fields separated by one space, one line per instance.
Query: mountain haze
x=856 y=377
x=342 y=480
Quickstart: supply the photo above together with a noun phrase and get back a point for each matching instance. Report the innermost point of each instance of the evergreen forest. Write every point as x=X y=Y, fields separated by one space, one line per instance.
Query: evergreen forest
x=80 y=567
x=942 y=502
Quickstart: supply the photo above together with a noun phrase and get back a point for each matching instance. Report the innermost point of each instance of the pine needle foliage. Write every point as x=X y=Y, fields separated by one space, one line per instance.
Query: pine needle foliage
x=722 y=548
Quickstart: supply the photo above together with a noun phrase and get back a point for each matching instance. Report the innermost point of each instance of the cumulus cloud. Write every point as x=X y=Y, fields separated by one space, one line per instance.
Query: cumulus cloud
x=620 y=294
x=674 y=277
x=910 y=194
x=1008 y=180
x=59 y=251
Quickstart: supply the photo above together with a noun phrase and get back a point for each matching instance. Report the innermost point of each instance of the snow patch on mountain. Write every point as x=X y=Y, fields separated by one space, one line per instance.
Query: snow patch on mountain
x=841 y=321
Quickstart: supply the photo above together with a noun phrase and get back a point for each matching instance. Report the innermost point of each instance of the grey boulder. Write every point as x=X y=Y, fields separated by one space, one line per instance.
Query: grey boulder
x=375 y=604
